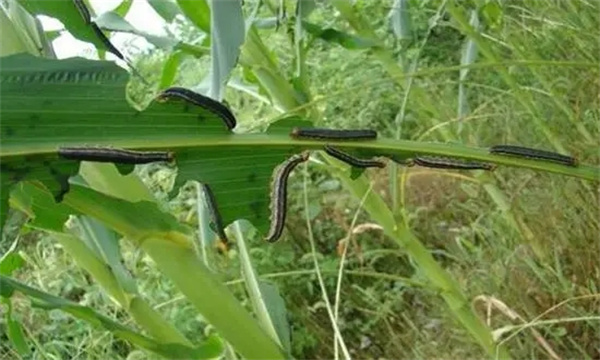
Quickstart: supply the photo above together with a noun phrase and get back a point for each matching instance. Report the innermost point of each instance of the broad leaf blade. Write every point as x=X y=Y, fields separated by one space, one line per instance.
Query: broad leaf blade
x=79 y=102
x=75 y=102
x=106 y=179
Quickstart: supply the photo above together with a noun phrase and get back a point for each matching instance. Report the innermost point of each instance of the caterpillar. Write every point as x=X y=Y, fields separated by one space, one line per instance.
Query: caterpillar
x=118 y=156
x=447 y=163
x=349 y=159
x=279 y=195
x=109 y=46
x=530 y=153
x=211 y=105
x=401 y=160
x=214 y=213
x=333 y=134
x=83 y=11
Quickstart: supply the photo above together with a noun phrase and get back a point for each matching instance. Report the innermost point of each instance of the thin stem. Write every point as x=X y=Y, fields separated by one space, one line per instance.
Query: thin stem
x=336 y=330
x=347 y=239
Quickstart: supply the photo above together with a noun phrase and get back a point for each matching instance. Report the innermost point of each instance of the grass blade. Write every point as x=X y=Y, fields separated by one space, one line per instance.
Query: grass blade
x=15 y=330
x=167 y=9
x=11 y=260
x=400 y=20
x=266 y=301
x=468 y=57
x=198 y=12
x=227 y=35
x=209 y=349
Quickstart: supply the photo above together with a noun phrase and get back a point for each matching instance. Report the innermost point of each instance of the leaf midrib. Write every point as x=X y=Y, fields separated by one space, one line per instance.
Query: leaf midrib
x=389 y=146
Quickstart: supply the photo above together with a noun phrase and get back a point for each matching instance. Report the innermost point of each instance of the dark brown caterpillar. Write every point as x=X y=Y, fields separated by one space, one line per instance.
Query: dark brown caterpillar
x=448 y=163
x=401 y=160
x=214 y=213
x=525 y=152
x=211 y=105
x=332 y=134
x=351 y=160
x=117 y=156
x=83 y=11
x=279 y=195
x=111 y=48
x=104 y=39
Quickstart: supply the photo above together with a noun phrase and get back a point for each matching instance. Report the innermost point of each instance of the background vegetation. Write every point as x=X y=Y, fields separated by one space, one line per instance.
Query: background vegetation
x=516 y=258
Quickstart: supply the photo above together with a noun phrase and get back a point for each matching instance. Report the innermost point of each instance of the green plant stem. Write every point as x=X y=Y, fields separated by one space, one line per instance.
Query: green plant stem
x=337 y=334
x=212 y=299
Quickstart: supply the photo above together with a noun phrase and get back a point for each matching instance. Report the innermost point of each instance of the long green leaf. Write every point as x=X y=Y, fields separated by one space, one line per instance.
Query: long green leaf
x=170 y=68
x=198 y=12
x=123 y=8
x=104 y=243
x=121 y=287
x=400 y=20
x=51 y=103
x=268 y=305
x=227 y=35
x=468 y=57
x=15 y=330
x=167 y=242
x=20 y=31
x=112 y=21
x=11 y=260
x=167 y=9
x=209 y=349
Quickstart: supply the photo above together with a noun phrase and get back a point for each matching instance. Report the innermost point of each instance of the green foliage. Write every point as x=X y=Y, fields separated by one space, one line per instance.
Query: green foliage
x=462 y=244
x=210 y=349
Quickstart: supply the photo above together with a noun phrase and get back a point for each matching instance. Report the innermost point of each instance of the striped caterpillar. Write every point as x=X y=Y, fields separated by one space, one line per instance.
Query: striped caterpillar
x=354 y=161
x=202 y=101
x=447 y=163
x=521 y=151
x=279 y=195
x=117 y=156
x=333 y=134
x=214 y=213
